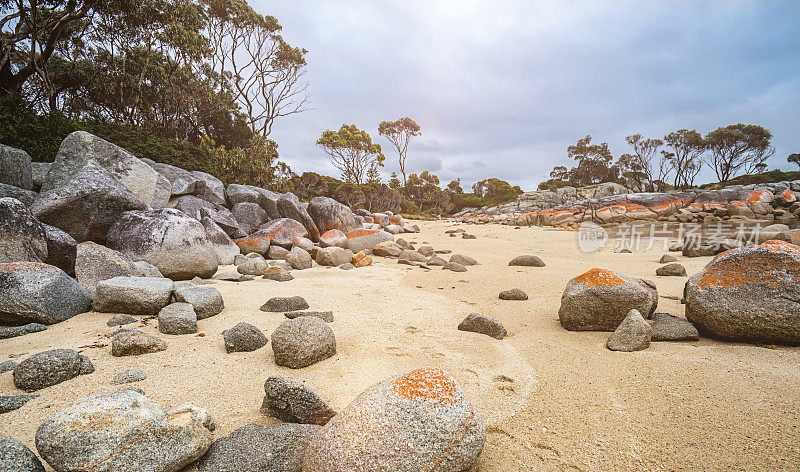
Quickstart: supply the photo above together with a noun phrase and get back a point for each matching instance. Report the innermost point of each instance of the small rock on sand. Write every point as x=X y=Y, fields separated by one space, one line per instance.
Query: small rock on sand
x=302 y=341
x=527 y=260
x=513 y=294
x=293 y=401
x=633 y=334
x=244 y=337
x=483 y=324
x=284 y=304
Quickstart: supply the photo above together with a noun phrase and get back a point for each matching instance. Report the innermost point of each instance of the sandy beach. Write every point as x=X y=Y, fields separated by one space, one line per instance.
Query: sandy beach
x=553 y=400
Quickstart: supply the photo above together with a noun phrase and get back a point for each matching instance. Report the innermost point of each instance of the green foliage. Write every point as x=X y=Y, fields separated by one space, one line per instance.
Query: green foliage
x=38 y=135
x=738 y=147
x=394 y=182
x=257 y=164
x=424 y=191
x=352 y=151
x=763 y=178
x=687 y=147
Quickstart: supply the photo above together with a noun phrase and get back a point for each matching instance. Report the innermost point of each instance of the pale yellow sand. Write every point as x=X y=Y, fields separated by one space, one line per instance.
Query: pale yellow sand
x=572 y=405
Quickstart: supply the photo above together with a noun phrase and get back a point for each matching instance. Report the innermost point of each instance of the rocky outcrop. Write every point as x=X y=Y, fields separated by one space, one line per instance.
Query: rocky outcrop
x=289 y=206
x=22 y=236
x=15 y=167
x=122 y=431
x=329 y=214
x=748 y=294
x=87 y=205
x=176 y=244
x=80 y=147
x=34 y=292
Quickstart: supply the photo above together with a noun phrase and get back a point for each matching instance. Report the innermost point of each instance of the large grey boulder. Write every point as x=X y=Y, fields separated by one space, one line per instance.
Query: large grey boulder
x=133 y=295
x=421 y=420
x=299 y=258
x=224 y=247
x=333 y=256
x=176 y=244
x=191 y=206
x=256 y=448
x=329 y=214
x=289 y=206
x=302 y=341
x=124 y=431
x=22 y=236
x=33 y=292
x=225 y=220
x=206 y=301
x=61 y=249
x=49 y=368
x=250 y=216
x=293 y=401
x=633 y=334
x=599 y=299
x=209 y=188
x=284 y=232
x=87 y=205
x=177 y=318
x=361 y=239
x=80 y=147
x=15 y=167
x=95 y=263
x=182 y=182
x=25 y=196
x=16 y=457
x=266 y=199
x=748 y=294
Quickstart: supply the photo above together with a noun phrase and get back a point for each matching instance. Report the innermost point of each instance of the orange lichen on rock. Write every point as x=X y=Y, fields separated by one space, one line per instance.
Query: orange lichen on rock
x=331 y=233
x=250 y=242
x=358 y=232
x=769 y=263
x=598 y=277
x=428 y=384
x=22 y=266
x=756 y=196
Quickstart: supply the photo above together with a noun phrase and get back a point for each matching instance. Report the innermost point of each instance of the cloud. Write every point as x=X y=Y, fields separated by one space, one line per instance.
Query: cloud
x=501 y=88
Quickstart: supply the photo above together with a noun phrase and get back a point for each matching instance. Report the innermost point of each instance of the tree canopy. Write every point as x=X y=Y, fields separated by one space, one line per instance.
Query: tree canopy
x=352 y=151
x=399 y=133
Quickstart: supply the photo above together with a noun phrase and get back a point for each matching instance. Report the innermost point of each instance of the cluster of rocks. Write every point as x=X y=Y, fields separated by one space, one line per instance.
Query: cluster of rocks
x=611 y=203
x=432 y=423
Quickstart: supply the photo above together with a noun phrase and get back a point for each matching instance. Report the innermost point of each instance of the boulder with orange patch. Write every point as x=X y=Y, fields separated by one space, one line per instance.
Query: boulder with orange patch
x=599 y=299
x=419 y=421
x=748 y=294
x=361 y=239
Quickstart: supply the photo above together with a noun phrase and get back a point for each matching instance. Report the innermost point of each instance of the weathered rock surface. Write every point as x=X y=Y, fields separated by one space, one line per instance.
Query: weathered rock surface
x=177 y=318
x=599 y=299
x=15 y=167
x=135 y=343
x=176 y=244
x=674 y=269
x=61 y=249
x=278 y=304
x=454 y=266
x=222 y=244
x=209 y=188
x=670 y=328
x=16 y=457
x=483 y=324
x=27 y=197
x=302 y=341
x=244 y=337
x=133 y=295
x=22 y=236
x=128 y=376
x=289 y=206
x=463 y=260
x=513 y=294
x=50 y=368
x=256 y=448
x=333 y=237
x=80 y=147
x=87 y=205
x=527 y=260
x=11 y=403
x=299 y=258
x=14 y=331
x=33 y=292
x=249 y=216
x=748 y=294
x=95 y=263
x=416 y=421
x=120 y=320
x=124 y=431
x=206 y=301
x=329 y=214
x=361 y=239
x=332 y=256
x=633 y=334
x=293 y=401
x=283 y=232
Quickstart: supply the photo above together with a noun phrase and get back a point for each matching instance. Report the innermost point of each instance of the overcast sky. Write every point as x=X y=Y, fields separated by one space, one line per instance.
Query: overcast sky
x=501 y=88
